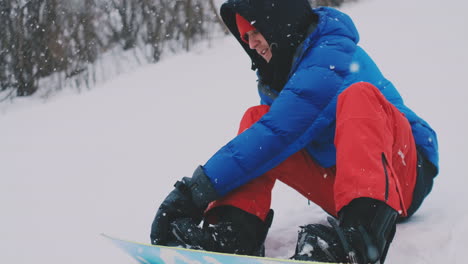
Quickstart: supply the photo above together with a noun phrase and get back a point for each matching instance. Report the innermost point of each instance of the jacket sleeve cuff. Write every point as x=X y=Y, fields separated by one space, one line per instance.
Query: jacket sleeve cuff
x=201 y=188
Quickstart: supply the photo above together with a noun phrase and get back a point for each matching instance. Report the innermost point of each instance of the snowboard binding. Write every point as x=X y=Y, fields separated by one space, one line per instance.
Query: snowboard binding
x=362 y=235
x=236 y=231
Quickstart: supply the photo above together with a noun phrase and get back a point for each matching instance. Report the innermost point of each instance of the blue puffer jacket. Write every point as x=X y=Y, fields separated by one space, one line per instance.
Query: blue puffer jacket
x=302 y=115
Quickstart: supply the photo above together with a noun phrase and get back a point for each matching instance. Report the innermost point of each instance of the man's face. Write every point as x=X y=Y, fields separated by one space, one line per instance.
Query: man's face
x=259 y=43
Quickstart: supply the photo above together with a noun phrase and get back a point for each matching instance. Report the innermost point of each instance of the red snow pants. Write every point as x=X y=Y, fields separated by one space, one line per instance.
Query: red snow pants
x=376 y=158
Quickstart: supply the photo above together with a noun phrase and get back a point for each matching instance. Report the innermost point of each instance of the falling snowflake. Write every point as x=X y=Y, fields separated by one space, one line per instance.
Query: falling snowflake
x=354 y=67
x=402 y=155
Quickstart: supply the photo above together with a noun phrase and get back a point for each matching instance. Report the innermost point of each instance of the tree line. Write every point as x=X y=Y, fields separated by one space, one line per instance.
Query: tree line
x=42 y=38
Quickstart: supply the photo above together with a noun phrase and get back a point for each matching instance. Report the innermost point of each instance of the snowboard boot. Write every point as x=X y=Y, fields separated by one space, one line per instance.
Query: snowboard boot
x=236 y=231
x=363 y=235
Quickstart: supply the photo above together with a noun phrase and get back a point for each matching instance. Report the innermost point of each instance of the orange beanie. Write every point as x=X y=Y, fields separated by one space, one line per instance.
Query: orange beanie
x=243 y=26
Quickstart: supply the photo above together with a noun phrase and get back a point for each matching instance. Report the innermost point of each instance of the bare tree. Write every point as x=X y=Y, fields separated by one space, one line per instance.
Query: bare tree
x=42 y=38
x=214 y=10
x=26 y=55
x=128 y=11
x=5 y=45
x=335 y=3
x=153 y=19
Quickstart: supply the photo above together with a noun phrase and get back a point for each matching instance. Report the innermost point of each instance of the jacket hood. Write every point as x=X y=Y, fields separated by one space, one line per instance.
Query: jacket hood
x=283 y=23
x=333 y=22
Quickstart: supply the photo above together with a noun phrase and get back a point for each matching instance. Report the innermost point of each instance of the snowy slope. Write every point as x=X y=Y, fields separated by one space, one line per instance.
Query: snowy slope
x=102 y=161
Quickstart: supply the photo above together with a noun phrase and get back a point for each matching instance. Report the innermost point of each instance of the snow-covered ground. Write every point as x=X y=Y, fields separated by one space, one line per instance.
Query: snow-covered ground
x=102 y=161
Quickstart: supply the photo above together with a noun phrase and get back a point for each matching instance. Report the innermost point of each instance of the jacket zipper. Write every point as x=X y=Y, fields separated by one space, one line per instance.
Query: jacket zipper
x=385 y=164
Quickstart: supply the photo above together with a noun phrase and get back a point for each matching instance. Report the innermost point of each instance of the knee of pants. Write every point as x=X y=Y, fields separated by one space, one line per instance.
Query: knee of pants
x=251 y=116
x=369 y=126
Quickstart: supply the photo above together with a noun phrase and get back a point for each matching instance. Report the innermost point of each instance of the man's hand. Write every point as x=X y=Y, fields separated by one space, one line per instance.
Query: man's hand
x=189 y=199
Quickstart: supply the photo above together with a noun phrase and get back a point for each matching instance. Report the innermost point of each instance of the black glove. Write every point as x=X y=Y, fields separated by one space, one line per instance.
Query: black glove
x=189 y=199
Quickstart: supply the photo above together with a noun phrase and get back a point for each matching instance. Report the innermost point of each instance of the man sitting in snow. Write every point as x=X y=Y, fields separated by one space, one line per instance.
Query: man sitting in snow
x=326 y=109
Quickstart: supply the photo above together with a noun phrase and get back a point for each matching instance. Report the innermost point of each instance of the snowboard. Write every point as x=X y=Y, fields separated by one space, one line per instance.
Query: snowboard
x=150 y=254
